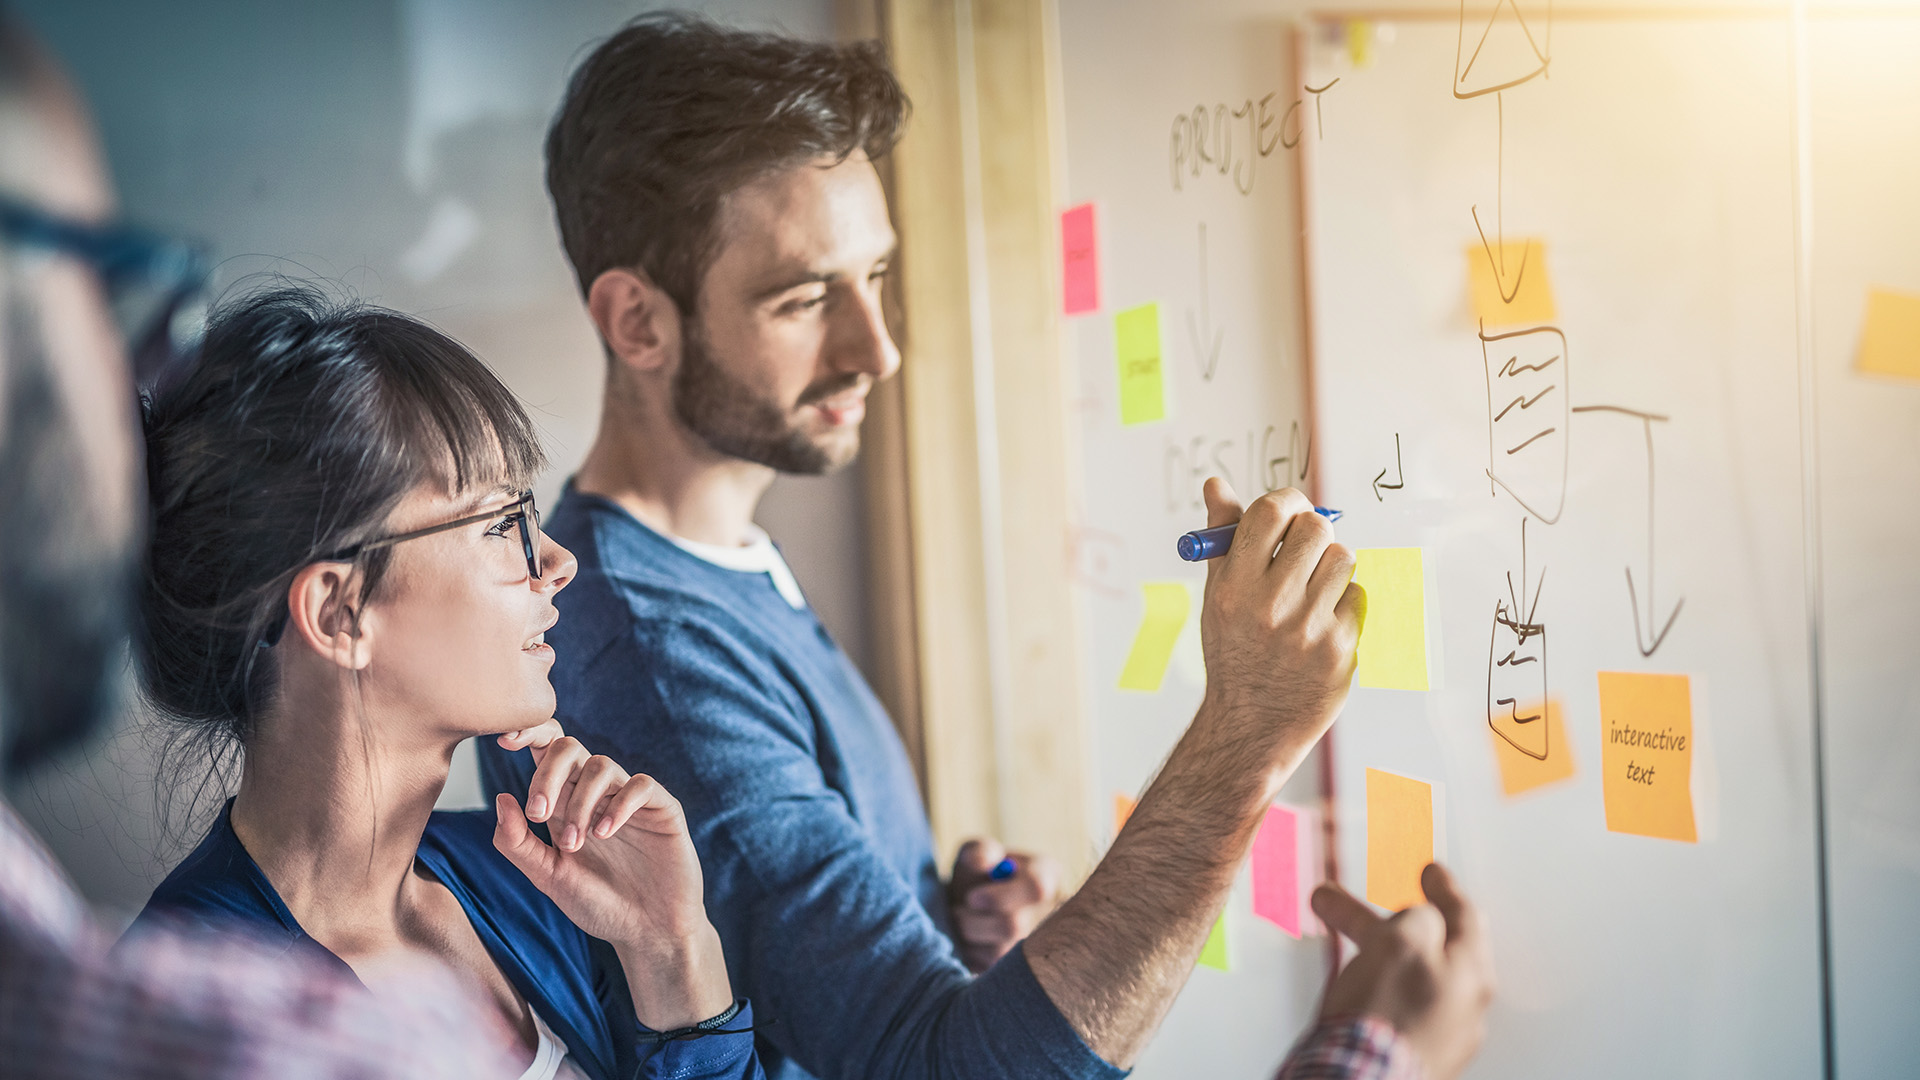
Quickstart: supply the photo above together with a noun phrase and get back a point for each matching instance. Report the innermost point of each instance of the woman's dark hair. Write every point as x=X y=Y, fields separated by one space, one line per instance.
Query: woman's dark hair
x=302 y=425
x=674 y=112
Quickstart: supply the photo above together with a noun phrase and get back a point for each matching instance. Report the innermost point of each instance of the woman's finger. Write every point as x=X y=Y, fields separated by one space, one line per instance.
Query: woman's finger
x=537 y=736
x=642 y=792
x=598 y=776
x=561 y=759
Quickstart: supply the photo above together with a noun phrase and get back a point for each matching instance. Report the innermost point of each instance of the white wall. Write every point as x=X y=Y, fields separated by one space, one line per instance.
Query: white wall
x=393 y=146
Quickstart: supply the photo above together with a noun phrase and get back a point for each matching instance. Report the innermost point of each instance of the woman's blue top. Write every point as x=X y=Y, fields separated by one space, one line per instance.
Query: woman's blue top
x=575 y=982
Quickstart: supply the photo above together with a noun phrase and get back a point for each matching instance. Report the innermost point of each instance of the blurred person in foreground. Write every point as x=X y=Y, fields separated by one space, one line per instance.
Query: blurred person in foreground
x=166 y=1005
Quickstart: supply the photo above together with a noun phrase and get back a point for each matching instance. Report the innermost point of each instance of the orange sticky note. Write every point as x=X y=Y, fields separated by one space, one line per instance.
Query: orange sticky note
x=1890 y=338
x=1646 y=754
x=1122 y=810
x=1521 y=769
x=1508 y=283
x=1399 y=838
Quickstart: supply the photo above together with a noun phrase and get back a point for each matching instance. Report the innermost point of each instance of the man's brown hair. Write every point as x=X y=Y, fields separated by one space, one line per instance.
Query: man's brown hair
x=674 y=112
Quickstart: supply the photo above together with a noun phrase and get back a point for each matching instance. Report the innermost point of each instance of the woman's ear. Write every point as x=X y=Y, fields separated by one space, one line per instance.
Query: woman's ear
x=323 y=614
x=638 y=321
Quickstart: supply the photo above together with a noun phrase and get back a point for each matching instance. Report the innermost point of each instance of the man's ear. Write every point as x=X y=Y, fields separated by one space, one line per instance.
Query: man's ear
x=638 y=321
x=324 y=615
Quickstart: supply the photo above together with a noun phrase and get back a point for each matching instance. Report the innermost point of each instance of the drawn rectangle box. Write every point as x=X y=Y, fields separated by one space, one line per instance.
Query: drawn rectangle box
x=1527 y=413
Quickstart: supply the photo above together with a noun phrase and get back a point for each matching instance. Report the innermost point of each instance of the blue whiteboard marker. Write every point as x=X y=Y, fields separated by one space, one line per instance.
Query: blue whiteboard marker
x=1203 y=544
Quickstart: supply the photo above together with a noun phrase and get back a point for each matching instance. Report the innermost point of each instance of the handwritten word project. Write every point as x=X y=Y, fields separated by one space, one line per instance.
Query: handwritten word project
x=1393 y=642
x=1646 y=754
x=1167 y=604
x=1399 y=838
x=1890 y=339
x=1079 y=261
x=1136 y=342
x=1231 y=140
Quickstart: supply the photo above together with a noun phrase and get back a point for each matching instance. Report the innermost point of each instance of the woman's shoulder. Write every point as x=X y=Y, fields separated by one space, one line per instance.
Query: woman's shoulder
x=217 y=886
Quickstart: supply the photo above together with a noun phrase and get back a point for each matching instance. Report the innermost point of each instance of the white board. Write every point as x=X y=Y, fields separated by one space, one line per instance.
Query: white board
x=1656 y=158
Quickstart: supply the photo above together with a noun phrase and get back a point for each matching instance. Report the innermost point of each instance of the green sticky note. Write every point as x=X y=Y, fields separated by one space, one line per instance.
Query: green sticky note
x=1136 y=340
x=1393 y=643
x=1214 y=953
x=1167 y=603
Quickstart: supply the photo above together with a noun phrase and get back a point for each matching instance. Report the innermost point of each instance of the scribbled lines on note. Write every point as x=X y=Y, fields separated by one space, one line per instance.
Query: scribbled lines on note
x=1517 y=664
x=1527 y=417
x=1512 y=46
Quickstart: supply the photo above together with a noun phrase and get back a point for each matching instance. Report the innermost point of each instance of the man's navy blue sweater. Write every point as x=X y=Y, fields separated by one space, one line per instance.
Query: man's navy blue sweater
x=816 y=849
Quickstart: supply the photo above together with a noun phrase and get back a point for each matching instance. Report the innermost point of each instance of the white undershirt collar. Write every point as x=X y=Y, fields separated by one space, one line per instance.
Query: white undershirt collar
x=756 y=556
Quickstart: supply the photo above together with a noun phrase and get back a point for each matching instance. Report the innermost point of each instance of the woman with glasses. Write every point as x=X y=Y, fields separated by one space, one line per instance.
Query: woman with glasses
x=344 y=579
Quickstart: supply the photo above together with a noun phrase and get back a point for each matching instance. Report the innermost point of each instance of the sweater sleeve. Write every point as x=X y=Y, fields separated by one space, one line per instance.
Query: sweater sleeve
x=850 y=975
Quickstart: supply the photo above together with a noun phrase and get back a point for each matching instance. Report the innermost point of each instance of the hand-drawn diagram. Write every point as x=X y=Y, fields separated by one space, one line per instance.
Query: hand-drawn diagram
x=1648 y=638
x=1517 y=664
x=1399 y=474
x=1527 y=417
x=1513 y=46
x=1205 y=339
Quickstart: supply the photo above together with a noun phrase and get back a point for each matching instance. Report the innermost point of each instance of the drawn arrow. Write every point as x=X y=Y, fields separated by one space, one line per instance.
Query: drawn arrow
x=1399 y=475
x=1646 y=638
x=1498 y=261
x=1207 y=356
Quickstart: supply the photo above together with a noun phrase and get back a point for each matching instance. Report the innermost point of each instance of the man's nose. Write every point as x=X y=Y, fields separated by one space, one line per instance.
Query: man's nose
x=862 y=343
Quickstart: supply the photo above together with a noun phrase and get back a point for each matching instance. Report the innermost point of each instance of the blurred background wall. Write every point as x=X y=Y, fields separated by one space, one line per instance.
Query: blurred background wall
x=393 y=148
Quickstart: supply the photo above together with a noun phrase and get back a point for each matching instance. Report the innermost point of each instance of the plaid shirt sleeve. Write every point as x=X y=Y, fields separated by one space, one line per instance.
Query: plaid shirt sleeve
x=167 y=1006
x=1352 y=1048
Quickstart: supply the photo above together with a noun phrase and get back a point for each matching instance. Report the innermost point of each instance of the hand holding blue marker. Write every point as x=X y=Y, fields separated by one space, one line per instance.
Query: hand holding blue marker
x=1203 y=544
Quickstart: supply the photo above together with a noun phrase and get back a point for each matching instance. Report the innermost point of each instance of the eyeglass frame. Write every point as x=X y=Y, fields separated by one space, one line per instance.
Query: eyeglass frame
x=522 y=508
x=120 y=254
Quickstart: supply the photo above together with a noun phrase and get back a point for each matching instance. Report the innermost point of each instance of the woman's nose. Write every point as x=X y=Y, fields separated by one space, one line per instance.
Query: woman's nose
x=557 y=565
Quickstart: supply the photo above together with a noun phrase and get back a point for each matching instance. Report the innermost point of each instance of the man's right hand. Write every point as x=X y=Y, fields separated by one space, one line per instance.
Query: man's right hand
x=1427 y=971
x=1278 y=629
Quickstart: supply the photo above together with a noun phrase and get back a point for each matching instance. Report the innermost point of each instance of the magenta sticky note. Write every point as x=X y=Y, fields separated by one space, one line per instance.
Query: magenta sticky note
x=1276 y=869
x=1080 y=261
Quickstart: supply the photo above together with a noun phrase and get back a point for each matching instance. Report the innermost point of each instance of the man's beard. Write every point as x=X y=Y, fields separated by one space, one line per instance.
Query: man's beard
x=731 y=418
x=64 y=576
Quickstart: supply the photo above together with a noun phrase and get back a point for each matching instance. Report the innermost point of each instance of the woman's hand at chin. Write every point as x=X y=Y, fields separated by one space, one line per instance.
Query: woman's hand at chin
x=623 y=868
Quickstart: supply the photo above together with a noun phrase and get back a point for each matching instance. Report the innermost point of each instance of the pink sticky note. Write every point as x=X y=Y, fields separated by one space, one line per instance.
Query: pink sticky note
x=1080 y=269
x=1276 y=869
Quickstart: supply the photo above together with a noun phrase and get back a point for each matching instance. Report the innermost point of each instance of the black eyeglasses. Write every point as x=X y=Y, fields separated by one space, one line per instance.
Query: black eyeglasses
x=149 y=278
x=520 y=514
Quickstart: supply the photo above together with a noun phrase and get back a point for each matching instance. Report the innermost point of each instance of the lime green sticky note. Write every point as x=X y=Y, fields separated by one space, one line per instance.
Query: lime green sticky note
x=1214 y=953
x=1136 y=340
x=1393 y=643
x=1167 y=603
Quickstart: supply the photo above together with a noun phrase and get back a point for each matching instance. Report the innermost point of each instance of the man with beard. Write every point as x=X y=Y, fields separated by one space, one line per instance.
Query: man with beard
x=162 y=1006
x=716 y=194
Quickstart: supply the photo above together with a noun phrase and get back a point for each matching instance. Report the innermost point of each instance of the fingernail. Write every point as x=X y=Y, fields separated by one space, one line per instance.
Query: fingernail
x=570 y=839
x=604 y=829
x=537 y=807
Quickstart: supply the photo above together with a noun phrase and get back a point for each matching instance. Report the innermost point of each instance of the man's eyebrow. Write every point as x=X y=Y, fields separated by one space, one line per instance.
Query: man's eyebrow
x=815 y=277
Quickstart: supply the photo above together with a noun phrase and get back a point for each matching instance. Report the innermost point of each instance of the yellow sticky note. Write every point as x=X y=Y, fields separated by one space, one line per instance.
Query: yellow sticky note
x=1136 y=340
x=1122 y=810
x=1167 y=604
x=1359 y=42
x=1214 y=953
x=1646 y=754
x=1393 y=643
x=1520 y=770
x=1399 y=838
x=1508 y=284
x=1890 y=340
